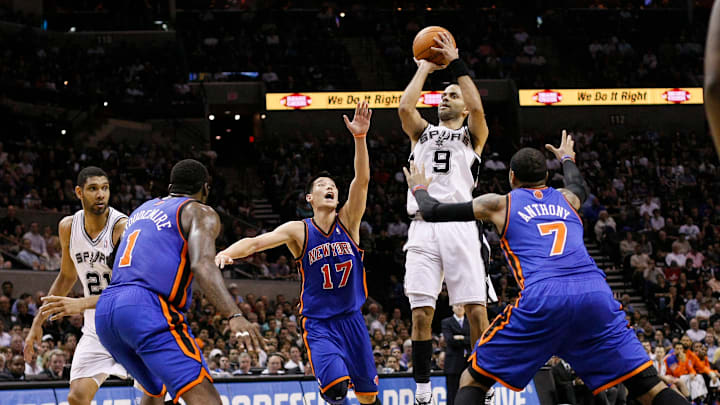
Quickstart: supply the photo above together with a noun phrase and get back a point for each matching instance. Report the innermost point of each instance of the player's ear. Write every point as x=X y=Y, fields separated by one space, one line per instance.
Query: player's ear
x=78 y=192
x=169 y=188
x=308 y=197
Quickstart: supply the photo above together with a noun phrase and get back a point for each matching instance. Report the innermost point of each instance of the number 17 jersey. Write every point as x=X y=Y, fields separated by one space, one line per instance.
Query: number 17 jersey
x=449 y=158
x=332 y=271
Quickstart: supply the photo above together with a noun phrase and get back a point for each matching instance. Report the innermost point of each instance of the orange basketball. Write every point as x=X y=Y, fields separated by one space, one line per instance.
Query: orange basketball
x=425 y=39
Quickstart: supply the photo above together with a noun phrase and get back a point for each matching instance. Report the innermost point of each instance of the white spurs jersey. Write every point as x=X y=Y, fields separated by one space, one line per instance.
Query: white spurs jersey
x=93 y=258
x=451 y=161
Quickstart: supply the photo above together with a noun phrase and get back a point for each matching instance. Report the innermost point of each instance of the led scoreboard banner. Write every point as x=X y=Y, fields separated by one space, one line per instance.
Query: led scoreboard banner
x=600 y=97
x=527 y=98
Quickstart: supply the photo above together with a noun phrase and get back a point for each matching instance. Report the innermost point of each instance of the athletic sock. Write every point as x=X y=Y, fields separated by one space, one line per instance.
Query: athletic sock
x=421 y=356
x=472 y=396
x=667 y=396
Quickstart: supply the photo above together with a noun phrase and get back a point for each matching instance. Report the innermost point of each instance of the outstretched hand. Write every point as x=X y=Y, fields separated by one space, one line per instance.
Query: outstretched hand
x=360 y=124
x=566 y=148
x=416 y=177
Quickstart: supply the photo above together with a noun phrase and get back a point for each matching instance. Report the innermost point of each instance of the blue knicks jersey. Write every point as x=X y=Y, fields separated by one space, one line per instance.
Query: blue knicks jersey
x=543 y=237
x=333 y=275
x=153 y=252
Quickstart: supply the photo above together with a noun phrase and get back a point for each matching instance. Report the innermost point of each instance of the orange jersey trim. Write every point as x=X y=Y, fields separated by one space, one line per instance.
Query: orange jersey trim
x=203 y=375
x=307 y=346
x=366 y=394
x=179 y=339
x=514 y=263
x=183 y=257
x=302 y=285
x=494 y=377
x=616 y=381
x=491 y=331
x=160 y=395
x=507 y=216
x=335 y=382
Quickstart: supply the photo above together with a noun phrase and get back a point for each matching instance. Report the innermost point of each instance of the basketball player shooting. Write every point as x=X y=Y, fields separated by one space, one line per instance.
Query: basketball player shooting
x=333 y=277
x=451 y=152
x=566 y=307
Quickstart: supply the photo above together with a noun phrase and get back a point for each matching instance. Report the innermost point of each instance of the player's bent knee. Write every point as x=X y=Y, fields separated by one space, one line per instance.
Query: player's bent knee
x=336 y=394
x=76 y=397
x=642 y=382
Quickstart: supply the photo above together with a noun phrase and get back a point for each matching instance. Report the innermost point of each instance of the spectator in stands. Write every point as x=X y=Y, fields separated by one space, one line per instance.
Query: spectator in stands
x=398 y=228
x=604 y=224
x=37 y=242
x=54 y=367
x=29 y=257
x=33 y=368
x=5 y=316
x=675 y=383
x=244 y=365
x=659 y=340
x=16 y=369
x=10 y=222
x=648 y=206
x=53 y=258
x=274 y=365
x=695 y=333
x=692 y=304
x=23 y=317
x=697 y=257
x=675 y=258
x=627 y=245
x=295 y=364
x=657 y=222
x=16 y=344
x=689 y=229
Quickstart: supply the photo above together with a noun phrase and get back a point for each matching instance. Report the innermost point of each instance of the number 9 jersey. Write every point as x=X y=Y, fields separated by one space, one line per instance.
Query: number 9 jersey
x=449 y=158
x=93 y=258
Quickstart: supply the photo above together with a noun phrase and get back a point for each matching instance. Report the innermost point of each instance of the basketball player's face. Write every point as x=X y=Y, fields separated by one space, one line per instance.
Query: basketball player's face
x=95 y=195
x=324 y=193
x=453 y=105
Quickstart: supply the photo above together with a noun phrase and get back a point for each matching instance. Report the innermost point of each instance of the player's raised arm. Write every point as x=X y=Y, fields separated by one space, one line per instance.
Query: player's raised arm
x=412 y=122
x=486 y=207
x=351 y=213
x=574 y=190
x=712 y=75
x=61 y=286
x=459 y=71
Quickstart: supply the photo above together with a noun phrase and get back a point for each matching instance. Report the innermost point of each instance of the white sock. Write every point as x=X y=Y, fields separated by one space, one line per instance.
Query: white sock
x=423 y=389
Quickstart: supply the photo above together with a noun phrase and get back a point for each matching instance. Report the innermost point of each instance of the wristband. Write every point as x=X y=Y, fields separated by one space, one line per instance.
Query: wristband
x=567 y=157
x=359 y=135
x=418 y=187
x=458 y=68
x=233 y=316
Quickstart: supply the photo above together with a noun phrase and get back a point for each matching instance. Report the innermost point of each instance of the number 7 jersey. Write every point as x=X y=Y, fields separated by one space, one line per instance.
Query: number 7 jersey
x=93 y=258
x=332 y=271
x=449 y=158
x=543 y=237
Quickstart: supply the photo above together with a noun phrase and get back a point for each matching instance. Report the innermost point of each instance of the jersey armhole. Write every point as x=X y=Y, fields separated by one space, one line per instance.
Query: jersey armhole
x=305 y=241
x=357 y=246
x=178 y=218
x=507 y=216
x=112 y=233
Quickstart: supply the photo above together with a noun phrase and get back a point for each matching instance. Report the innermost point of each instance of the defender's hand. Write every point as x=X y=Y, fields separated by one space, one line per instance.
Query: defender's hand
x=32 y=338
x=222 y=259
x=566 y=148
x=361 y=120
x=416 y=177
x=55 y=307
x=445 y=47
x=247 y=334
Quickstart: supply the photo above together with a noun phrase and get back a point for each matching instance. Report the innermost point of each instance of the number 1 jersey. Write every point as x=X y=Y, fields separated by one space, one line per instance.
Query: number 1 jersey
x=93 y=258
x=332 y=271
x=153 y=252
x=449 y=158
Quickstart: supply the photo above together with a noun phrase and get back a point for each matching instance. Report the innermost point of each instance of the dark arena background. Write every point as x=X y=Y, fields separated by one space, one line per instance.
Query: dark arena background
x=256 y=91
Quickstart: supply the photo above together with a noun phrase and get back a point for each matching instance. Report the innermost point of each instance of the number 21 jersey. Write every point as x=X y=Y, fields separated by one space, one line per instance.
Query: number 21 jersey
x=449 y=158
x=93 y=258
x=332 y=271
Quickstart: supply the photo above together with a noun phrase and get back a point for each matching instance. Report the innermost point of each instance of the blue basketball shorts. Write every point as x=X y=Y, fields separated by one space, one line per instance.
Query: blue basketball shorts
x=151 y=339
x=576 y=319
x=339 y=349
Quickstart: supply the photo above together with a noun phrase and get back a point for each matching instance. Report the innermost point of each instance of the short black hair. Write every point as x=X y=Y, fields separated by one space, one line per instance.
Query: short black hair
x=188 y=177
x=529 y=165
x=311 y=182
x=90 y=171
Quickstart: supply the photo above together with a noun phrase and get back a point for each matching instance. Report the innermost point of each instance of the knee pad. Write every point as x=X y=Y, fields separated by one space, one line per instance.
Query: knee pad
x=642 y=382
x=335 y=395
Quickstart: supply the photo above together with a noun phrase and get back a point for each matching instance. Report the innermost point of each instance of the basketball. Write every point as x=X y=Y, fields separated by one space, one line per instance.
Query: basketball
x=425 y=39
